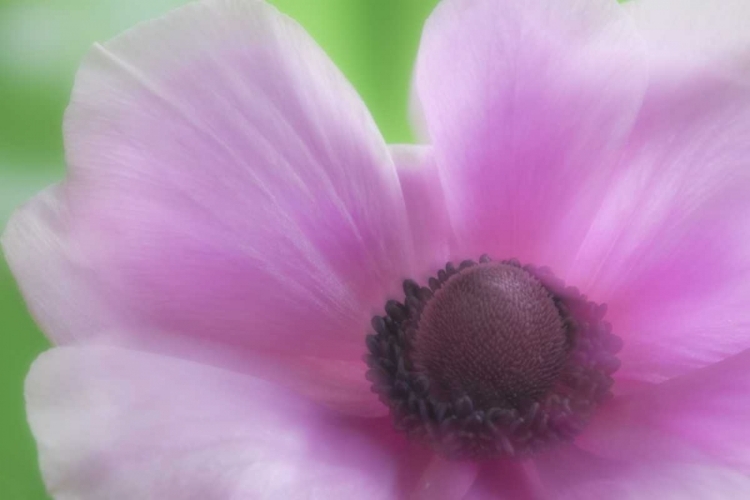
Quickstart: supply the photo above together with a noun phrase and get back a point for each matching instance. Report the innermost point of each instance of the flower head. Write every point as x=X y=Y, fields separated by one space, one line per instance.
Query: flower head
x=549 y=297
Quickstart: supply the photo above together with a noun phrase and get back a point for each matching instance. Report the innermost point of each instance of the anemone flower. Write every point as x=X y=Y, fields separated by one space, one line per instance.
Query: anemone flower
x=252 y=296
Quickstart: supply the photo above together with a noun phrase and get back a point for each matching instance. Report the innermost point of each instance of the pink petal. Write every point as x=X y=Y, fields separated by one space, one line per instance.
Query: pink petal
x=51 y=271
x=701 y=416
x=243 y=183
x=445 y=480
x=68 y=299
x=507 y=480
x=669 y=482
x=670 y=248
x=526 y=104
x=120 y=424
x=425 y=205
x=568 y=468
x=688 y=34
x=226 y=183
x=548 y=475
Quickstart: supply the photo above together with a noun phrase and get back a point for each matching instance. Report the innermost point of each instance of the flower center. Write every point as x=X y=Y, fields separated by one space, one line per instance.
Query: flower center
x=493 y=359
x=492 y=333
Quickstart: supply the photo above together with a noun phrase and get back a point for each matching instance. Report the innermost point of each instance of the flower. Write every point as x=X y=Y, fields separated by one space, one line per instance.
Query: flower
x=234 y=234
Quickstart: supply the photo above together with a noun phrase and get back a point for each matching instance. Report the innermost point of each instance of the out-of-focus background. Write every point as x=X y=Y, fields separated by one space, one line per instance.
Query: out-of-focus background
x=41 y=42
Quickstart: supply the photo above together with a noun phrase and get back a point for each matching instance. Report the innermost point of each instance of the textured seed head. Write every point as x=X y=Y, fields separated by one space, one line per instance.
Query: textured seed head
x=493 y=333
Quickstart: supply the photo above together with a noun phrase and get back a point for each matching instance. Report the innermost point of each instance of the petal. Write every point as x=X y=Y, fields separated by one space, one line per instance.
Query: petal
x=670 y=482
x=507 y=480
x=55 y=281
x=425 y=204
x=120 y=424
x=58 y=283
x=568 y=468
x=702 y=415
x=670 y=248
x=689 y=34
x=550 y=474
x=526 y=104
x=260 y=195
x=445 y=480
x=226 y=183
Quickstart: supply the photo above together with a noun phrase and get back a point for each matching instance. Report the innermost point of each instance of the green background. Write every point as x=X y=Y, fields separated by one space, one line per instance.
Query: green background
x=41 y=41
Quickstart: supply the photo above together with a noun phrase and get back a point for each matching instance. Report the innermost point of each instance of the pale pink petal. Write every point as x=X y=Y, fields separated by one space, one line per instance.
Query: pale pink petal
x=689 y=34
x=425 y=205
x=527 y=104
x=445 y=480
x=702 y=415
x=685 y=481
x=119 y=424
x=241 y=185
x=73 y=299
x=226 y=183
x=669 y=251
x=52 y=271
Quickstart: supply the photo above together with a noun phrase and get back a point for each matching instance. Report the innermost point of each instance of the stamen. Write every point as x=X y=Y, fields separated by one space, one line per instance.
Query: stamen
x=492 y=359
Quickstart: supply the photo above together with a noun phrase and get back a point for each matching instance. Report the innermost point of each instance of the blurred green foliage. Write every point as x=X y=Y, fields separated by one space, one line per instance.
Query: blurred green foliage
x=373 y=41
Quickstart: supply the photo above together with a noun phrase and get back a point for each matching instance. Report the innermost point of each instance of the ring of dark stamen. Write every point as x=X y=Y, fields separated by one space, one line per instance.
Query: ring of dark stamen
x=459 y=428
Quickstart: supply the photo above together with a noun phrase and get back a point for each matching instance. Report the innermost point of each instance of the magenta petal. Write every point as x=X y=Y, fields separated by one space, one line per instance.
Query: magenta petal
x=568 y=468
x=507 y=480
x=669 y=251
x=119 y=424
x=445 y=480
x=700 y=416
x=227 y=183
x=526 y=104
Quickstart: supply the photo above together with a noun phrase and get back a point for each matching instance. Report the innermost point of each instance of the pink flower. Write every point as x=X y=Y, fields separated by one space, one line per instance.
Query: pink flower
x=220 y=257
